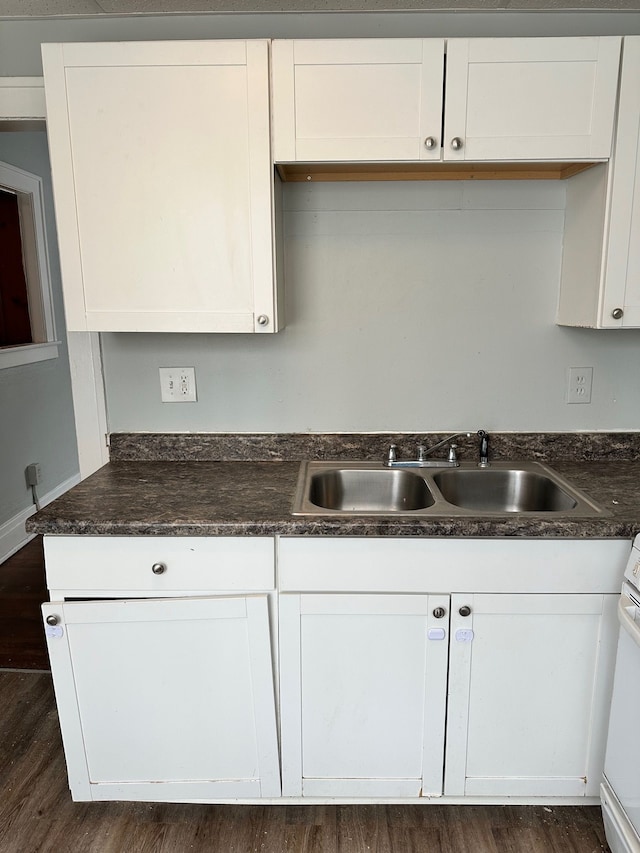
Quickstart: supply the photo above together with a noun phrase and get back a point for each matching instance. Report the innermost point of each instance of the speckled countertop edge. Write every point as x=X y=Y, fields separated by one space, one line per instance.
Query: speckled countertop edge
x=255 y=498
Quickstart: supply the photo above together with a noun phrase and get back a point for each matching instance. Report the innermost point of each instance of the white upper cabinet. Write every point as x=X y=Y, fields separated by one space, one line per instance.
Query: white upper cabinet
x=357 y=99
x=600 y=284
x=163 y=184
x=530 y=99
x=504 y=99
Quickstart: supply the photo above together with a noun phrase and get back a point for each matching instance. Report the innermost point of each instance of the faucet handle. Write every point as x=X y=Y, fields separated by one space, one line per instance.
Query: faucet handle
x=422 y=453
x=392 y=455
x=453 y=458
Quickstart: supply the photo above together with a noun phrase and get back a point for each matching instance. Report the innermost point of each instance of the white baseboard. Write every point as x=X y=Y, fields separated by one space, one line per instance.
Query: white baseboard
x=13 y=536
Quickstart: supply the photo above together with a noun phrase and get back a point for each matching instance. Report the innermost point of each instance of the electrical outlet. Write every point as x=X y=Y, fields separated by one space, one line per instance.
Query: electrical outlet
x=579 y=387
x=33 y=474
x=178 y=384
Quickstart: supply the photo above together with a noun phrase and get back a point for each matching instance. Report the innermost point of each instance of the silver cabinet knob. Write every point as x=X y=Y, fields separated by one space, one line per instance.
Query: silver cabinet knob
x=430 y=143
x=439 y=612
x=456 y=143
x=263 y=320
x=53 y=620
x=158 y=568
x=617 y=313
x=465 y=610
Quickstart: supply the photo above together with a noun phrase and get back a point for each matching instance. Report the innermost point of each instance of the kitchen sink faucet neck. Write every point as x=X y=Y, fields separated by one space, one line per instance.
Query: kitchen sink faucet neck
x=422 y=460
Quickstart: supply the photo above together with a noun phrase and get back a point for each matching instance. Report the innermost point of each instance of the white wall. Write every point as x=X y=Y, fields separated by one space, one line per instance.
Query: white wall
x=410 y=306
x=36 y=410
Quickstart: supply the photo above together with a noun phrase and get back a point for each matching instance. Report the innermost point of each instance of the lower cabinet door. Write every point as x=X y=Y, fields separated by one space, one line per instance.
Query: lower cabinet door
x=529 y=691
x=363 y=691
x=165 y=699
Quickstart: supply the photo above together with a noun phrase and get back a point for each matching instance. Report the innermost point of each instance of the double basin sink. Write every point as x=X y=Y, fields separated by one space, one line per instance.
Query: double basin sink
x=371 y=488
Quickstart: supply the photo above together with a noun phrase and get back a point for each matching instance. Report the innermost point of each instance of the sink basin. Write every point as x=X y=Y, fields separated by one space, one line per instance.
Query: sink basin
x=503 y=489
x=366 y=490
x=494 y=490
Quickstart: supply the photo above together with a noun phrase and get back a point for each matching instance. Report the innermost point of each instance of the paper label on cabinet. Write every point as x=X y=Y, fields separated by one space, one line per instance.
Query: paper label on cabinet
x=464 y=635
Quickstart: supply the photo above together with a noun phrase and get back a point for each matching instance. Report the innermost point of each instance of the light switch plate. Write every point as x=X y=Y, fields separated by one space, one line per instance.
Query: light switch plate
x=178 y=384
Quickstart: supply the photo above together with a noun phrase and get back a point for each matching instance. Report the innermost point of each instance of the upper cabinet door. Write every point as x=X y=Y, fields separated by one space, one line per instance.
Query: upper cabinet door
x=163 y=184
x=530 y=99
x=357 y=99
x=619 y=297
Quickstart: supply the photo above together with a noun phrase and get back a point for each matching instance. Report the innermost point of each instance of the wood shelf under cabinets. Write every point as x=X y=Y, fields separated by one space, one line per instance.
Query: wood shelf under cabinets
x=429 y=171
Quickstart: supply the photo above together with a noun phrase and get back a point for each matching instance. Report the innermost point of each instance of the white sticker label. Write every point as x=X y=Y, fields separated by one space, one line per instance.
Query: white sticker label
x=464 y=635
x=436 y=633
x=54 y=631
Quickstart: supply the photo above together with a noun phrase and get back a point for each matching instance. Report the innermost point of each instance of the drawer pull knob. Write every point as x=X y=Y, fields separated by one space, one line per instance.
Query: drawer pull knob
x=158 y=568
x=617 y=313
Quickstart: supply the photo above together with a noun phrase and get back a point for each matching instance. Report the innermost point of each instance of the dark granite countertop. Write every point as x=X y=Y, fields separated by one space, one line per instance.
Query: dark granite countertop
x=245 y=498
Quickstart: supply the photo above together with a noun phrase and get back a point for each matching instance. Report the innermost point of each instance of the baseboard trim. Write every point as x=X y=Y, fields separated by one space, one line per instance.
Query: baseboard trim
x=13 y=536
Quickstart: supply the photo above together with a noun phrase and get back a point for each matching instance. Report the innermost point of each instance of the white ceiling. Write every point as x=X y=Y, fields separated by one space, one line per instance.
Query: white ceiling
x=90 y=8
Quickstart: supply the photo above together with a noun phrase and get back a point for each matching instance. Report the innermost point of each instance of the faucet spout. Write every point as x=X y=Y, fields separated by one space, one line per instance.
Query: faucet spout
x=429 y=450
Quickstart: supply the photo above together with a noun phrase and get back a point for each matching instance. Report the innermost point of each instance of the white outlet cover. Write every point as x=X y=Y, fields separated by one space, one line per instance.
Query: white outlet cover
x=579 y=384
x=178 y=384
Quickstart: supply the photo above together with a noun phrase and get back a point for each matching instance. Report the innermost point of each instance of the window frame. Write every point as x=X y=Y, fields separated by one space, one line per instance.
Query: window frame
x=29 y=191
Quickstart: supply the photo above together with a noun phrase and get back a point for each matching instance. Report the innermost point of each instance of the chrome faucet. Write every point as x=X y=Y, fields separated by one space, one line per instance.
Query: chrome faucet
x=422 y=461
x=484 y=449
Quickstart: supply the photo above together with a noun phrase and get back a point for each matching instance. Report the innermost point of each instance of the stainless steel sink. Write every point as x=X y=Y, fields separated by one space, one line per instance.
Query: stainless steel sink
x=512 y=490
x=370 y=488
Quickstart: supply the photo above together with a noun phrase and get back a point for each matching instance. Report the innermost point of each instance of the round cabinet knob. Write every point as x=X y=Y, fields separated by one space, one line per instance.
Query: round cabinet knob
x=430 y=143
x=439 y=612
x=456 y=143
x=465 y=610
x=53 y=620
x=617 y=313
x=158 y=568
x=263 y=320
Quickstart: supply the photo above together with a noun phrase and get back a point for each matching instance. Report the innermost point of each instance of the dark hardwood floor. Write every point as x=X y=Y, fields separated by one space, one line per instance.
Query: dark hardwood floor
x=23 y=588
x=38 y=816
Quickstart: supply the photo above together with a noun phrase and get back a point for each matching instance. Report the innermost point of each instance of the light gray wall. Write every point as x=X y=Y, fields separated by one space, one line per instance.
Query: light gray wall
x=36 y=410
x=410 y=306
x=20 y=39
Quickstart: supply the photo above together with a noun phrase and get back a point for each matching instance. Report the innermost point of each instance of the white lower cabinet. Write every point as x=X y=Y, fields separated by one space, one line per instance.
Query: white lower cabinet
x=363 y=683
x=165 y=698
x=506 y=686
x=408 y=669
x=529 y=689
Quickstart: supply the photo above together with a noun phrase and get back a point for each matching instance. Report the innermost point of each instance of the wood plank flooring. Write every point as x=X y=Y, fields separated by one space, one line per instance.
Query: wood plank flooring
x=37 y=814
x=22 y=590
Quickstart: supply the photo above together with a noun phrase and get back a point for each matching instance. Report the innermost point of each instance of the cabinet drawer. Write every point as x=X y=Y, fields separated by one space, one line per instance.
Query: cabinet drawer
x=118 y=563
